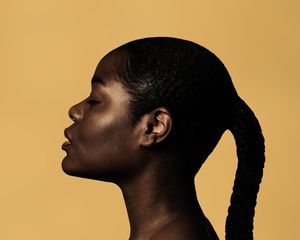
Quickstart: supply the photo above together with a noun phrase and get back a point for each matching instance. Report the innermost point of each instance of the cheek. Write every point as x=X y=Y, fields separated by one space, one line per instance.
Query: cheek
x=94 y=131
x=103 y=142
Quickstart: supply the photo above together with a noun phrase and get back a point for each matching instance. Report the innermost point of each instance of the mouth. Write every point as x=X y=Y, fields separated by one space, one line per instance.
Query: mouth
x=67 y=144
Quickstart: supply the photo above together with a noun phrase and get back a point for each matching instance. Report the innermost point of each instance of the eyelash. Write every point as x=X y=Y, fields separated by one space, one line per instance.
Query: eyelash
x=91 y=102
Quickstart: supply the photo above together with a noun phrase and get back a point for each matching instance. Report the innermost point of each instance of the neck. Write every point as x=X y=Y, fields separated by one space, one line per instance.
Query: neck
x=155 y=199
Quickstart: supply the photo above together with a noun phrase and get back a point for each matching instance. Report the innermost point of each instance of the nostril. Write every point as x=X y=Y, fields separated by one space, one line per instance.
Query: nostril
x=72 y=118
x=73 y=114
x=76 y=112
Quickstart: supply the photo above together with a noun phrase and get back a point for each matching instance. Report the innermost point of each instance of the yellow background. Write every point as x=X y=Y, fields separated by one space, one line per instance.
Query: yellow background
x=48 y=53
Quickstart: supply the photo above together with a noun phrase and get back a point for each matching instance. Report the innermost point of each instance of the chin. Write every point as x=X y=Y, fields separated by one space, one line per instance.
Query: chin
x=68 y=167
x=72 y=169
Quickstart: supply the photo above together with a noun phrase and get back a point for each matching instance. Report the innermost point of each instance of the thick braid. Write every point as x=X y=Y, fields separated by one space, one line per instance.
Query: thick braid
x=250 y=151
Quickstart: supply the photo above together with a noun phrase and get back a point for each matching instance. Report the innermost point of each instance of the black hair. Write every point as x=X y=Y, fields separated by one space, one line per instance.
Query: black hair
x=196 y=87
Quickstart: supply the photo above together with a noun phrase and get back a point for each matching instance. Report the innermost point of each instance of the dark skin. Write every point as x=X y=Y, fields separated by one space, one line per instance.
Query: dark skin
x=158 y=189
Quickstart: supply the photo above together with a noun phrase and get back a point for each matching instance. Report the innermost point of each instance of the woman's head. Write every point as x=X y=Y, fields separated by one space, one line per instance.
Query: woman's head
x=105 y=144
x=182 y=95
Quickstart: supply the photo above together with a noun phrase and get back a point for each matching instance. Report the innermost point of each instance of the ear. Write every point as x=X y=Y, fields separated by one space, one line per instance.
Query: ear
x=154 y=127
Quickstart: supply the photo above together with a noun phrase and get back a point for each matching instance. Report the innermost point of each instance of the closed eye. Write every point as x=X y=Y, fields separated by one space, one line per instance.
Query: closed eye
x=92 y=102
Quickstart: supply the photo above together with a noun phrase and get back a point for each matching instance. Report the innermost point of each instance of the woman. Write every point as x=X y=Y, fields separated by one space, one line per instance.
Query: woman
x=157 y=109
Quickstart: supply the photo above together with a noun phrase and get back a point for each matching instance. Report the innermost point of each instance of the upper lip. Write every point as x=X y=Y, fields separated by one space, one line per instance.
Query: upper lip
x=67 y=135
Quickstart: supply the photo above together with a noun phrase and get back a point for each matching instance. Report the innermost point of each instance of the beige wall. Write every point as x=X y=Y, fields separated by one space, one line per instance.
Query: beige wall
x=48 y=53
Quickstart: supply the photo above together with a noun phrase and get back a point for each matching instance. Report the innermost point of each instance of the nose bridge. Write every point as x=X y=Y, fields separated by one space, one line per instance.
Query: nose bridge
x=76 y=112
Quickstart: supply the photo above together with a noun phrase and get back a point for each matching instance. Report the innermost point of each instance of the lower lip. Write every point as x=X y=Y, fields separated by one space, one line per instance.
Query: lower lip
x=66 y=145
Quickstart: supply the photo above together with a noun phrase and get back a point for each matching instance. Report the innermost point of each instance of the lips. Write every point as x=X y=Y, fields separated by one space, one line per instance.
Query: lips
x=66 y=145
x=67 y=135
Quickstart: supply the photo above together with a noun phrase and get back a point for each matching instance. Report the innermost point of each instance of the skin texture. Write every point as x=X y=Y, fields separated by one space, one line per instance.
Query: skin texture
x=158 y=189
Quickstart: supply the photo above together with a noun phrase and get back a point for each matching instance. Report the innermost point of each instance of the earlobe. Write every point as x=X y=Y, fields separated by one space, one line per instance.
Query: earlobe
x=157 y=125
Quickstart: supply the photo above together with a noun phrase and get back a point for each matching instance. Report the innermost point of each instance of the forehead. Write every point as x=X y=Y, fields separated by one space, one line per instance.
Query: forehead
x=109 y=66
x=105 y=79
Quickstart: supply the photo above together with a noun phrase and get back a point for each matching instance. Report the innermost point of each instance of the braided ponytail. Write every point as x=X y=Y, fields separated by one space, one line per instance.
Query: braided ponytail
x=250 y=151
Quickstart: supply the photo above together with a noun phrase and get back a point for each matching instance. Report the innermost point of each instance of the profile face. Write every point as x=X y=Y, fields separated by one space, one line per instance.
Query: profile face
x=101 y=139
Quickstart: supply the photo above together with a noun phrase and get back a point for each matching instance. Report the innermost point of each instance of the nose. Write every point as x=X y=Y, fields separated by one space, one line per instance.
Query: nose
x=76 y=113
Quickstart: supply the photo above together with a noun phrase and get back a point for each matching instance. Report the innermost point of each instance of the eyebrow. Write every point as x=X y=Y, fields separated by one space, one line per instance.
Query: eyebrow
x=97 y=80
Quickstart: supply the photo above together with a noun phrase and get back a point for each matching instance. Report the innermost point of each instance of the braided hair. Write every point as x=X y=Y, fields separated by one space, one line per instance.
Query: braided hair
x=183 y=76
